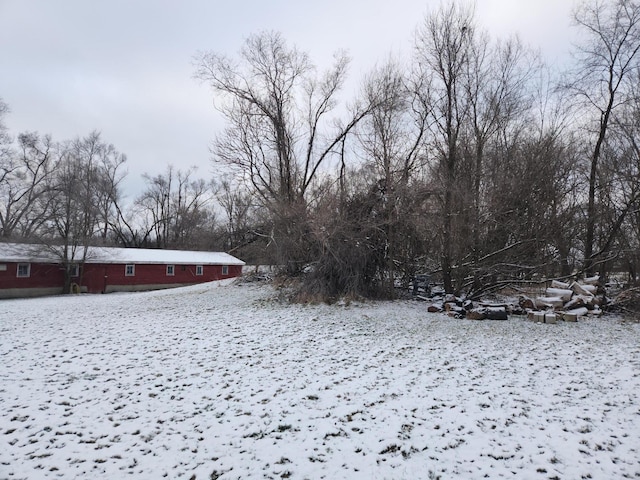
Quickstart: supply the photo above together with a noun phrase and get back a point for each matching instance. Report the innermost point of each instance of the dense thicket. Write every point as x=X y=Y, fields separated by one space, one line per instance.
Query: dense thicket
x=471 y=161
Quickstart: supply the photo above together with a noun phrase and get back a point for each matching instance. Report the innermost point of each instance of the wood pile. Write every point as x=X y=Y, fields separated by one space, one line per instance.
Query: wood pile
x=566 y=301
x=561 y=301
x=456 y=307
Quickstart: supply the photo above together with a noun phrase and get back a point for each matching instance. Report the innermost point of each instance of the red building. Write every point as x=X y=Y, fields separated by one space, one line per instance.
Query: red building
x=31 y=270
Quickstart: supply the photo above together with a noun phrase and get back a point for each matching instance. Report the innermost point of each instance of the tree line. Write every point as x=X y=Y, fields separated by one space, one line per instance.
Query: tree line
x=70 y=193
x=473 y=162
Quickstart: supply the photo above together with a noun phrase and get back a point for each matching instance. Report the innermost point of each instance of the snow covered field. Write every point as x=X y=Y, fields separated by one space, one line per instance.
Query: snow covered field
x=222 y=381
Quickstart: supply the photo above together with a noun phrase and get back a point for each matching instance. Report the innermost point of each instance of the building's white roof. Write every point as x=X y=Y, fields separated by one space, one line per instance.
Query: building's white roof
x=19 y=252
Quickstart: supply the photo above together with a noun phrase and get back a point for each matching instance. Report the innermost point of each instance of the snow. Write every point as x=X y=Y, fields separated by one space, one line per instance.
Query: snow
x=222 y=380
x=16 y=252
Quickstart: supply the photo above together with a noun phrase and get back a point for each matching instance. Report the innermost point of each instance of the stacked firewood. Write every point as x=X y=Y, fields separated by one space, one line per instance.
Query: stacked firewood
x=566 y=301
x=561 y=301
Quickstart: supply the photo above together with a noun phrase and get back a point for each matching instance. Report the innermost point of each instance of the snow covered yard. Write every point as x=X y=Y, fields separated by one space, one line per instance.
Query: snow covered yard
x=221 y=381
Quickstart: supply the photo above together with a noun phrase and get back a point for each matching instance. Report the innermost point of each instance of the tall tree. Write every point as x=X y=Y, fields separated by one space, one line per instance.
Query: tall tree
x=496 y=87
x=26 y=180
x=5 y=138
x=443 y=46
x=84 y=184
x=277 y=108
x=237 y=206
x=174 y=208
x=391 y=138
x=604 y=82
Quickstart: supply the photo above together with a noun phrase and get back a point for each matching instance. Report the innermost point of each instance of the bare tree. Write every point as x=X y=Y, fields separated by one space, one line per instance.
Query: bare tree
x=25 y=181
x=237 y=205
x=192 y=215
x=174 y=208
x=73 y=217
x=628 y=138
x=497 y=90
x=391 y=139
x=443 y=46
x=278 y=130
x=607 y=59
x=618 y=195
x=82 y=187
x=109 y=164
x=155 y=207
x=5 y=138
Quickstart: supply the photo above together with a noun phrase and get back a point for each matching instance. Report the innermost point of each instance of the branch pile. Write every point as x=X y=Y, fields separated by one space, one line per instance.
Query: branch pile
x=627 y=301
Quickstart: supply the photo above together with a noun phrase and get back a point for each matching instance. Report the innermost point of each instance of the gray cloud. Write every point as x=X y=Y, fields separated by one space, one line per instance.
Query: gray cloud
x=125 y=67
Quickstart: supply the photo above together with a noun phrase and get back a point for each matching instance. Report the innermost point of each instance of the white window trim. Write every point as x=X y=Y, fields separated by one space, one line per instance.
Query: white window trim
x=225 y=269
x=28 y=270
x=199 y=270
x=133 y=270
x=75 y=270
x=171 y=270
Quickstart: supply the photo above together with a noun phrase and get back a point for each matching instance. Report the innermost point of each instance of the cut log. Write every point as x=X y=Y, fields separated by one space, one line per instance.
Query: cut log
x=579 y=312
x=592 y=280
x=539 y=317
x=576 y=302
x=579 y=289
x=549 y=318
x=586 y=299
x=549 y=302
x=569 y=317
x=526 y=303
x=558 y=284
x=477 y=314
x=596 y=311
x=450 y=298
x=450 y=306
x=454 y=310
x=592 y=289
x=434 y=308
x=564 y=294
x=497 y=313
x=531 y=316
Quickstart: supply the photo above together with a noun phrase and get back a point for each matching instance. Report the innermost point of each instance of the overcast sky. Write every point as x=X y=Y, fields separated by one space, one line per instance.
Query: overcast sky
x=124 y=67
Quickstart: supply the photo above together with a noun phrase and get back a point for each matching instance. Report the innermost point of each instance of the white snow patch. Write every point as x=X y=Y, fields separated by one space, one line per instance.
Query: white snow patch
x=220 y=381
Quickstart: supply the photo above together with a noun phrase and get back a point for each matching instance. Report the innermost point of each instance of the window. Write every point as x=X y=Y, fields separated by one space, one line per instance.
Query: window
x=24 y=270
x=75 y=270
x=170 y=270
x=3 y=267
x=199 y=270
x=225 y=269
x=129 y=270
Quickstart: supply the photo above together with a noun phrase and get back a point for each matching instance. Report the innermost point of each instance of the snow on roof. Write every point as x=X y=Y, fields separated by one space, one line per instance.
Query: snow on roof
x=17 y=252
x=23 y=252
